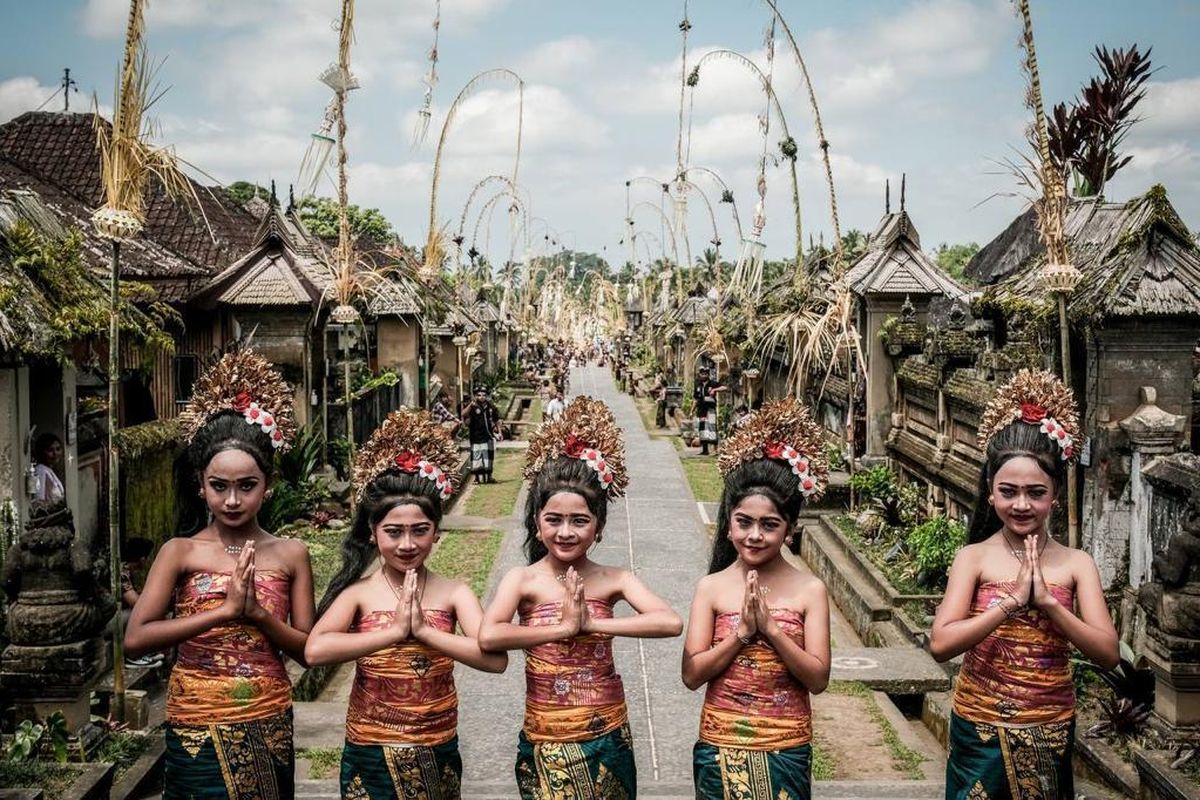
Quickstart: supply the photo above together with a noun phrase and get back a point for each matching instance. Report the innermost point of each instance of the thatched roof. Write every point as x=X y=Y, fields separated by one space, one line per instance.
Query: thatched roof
x=1137 y=258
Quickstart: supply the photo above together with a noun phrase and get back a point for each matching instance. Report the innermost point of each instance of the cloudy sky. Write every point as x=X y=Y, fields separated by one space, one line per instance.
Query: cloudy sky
x=930 y=88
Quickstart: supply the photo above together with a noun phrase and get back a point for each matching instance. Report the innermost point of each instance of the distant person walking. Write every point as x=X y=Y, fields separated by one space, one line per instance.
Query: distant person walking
x=705 y=397
x=555 y=407
x=483 y=428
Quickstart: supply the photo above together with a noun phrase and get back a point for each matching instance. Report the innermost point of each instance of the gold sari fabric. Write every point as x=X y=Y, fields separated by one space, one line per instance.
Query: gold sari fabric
x=231 y=673
x=403 y=694
x=572 y=690
x=756 y=704
x=1021 y=673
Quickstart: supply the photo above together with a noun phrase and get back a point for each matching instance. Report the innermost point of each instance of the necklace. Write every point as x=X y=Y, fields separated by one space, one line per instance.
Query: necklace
x=422 y=581
x=1019 y=552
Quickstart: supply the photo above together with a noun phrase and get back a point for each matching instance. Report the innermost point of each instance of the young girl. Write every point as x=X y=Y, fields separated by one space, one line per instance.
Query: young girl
x=758 y=632
x=575 y=741
x=240 y=596
x=399 y=620
x=1009 y=606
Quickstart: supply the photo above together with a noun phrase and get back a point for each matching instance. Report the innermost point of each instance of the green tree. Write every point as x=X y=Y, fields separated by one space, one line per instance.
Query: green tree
x=320 y=216
x=241 y=192
x=953 y=258
x=854 y=244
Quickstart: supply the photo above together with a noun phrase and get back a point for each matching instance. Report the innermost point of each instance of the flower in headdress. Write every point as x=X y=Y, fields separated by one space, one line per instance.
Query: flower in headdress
x=242 y=402
x=429 y=471
x=774 y=450
x=1069 y=451
x=277 y=439
x=1032 y=413
x=407 y=461
x=1050 y=426
x=253 y=413
x=573 y=447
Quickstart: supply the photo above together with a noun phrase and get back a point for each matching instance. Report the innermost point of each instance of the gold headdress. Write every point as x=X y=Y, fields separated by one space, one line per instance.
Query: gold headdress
x=1036 y=397
x=246 y=383
x=586 y=430
x=412 y=442
x=782 y=430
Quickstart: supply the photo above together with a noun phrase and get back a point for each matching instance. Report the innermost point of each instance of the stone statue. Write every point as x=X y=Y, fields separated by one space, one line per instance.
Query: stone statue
x=56 y=611
x=1172 y=601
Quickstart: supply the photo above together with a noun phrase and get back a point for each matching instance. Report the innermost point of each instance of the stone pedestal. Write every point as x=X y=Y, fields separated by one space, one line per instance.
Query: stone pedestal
x=1176 y=664
x=56 y=616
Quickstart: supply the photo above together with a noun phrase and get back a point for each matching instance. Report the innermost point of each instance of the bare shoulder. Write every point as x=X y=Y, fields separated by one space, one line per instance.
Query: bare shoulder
x=811 y=587
x=970 y=555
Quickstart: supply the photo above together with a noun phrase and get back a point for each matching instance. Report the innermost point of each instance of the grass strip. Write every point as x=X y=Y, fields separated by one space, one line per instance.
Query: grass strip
x=824 y=767
x=496 y=500
x=704 y=478
x=467 y=556
x=324 y=762
x=904 y=759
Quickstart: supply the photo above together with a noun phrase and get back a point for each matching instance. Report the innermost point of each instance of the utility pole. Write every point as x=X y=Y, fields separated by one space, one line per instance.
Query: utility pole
x=68 y=83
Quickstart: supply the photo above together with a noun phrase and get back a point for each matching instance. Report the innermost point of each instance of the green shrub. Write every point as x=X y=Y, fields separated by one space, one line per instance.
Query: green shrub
x=934 y=543
x=296 y=492
x=876 y=483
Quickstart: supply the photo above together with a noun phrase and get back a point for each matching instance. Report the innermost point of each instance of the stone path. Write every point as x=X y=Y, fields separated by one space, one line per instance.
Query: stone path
x=656 y=531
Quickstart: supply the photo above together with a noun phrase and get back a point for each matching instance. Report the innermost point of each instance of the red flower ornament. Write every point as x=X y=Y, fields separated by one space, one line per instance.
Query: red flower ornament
x=242 y=402
x=407 y=461
x=1032 y=413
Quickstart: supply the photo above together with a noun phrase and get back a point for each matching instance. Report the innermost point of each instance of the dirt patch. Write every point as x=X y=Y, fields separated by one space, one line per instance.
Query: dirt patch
x=852 y=739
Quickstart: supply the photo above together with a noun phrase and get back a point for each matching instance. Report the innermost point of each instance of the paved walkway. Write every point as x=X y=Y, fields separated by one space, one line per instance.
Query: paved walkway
x=656 y=531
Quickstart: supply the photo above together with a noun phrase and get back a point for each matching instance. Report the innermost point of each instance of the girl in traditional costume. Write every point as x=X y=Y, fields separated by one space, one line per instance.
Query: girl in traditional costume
x=241 y=598
x=575 y=741
x=398 y=621
x=1010 y=606
x=758 y=631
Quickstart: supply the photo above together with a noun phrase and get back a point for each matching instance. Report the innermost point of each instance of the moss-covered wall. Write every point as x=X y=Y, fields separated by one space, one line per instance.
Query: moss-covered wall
x=147 y=480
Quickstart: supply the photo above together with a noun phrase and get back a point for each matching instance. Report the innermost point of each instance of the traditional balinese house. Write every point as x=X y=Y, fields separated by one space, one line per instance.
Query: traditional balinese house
x=448 y=343
x=1135 y=323
x=894 y=271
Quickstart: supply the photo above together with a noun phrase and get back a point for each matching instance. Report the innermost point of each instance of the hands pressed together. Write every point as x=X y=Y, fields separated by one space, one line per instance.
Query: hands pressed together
x=241 y=598
x=756 y=615
x=409 y=622
x=1030 y=590
x=575 y=614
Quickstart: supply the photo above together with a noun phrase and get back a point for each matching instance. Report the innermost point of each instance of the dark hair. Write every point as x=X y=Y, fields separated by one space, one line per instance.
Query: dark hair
x=769 y=478
x=225 y=430
x=42 y=443
x=1016 y=439
x=387 y=491
x=562 y=474
x=136 y=548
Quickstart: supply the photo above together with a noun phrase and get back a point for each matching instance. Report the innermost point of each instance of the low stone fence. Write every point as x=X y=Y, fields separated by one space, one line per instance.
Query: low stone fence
x=873 y=607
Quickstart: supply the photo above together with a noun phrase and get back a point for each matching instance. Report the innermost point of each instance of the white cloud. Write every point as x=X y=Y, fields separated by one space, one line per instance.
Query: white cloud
x=1170 y=107
x=18 y=95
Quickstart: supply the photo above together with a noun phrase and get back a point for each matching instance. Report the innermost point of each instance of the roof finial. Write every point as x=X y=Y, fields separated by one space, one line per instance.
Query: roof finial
x=903 y=181
x=291 y=197
x=887 y=196
x=274 y=199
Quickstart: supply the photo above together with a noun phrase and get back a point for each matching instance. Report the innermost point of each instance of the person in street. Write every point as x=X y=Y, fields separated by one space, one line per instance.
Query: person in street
x=135 y=555
x=48 y=455
x=1010 y=603
x=704 y=396
x=483 y=431
x=758 y=631
x=576 y=740
x=230 y=596
x=443 y=415
x=659 y=393
x=398 y=622
x=556 y=406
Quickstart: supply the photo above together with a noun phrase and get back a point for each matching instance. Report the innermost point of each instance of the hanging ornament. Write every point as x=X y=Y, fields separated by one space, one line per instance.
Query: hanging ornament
x=316 y=157
x=425 y=115
x=748 y=273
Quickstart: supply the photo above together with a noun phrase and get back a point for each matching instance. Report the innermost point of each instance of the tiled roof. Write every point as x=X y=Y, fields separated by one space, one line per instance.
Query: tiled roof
x=895 y=263
x=59 y=151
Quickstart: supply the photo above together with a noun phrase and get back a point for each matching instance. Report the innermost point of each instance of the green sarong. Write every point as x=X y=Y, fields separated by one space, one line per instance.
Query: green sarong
x=731 y=773
x=385 y=772
x=597 y=769
x=236 y=761
x=994 y=762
